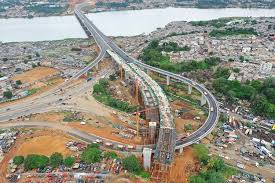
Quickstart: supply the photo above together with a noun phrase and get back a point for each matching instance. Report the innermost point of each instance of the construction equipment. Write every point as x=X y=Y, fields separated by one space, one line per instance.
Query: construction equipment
x=136 y=91
x=137 y=113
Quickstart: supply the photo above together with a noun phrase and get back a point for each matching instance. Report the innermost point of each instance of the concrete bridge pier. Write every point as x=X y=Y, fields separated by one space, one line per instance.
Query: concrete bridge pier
x=126 y=77
x=181 y=150
x=203 y=100
x=189 y=89
x=167 y=80
x=147 y=153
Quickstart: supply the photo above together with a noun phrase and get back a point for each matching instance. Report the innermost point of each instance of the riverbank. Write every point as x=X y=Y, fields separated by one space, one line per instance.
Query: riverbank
x=135 y=22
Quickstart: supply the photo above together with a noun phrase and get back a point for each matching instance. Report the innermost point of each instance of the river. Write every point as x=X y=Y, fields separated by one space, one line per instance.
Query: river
x=113 y=23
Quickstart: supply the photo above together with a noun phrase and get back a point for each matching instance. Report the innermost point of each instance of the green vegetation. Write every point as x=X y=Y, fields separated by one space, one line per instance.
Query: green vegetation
x=201 y=152
x=33 y=91
x=18 y=82
x=181 y=33
x=56 y=159
x=222 y=72
x=172 y=47
x=7 y=94
x=91 y=154
x=45 y=9
x=214 y=169
x=112 y=4
x=102 y=94
x=34 y=161
x=260 y=94
x=110 y=154
x=152 y=55
x=69 y=161
x=188 y=127
x=117 y=4
x=218 y=23
x=18 y=160
x=232 y=32
x=132 y=164
x=212 y=3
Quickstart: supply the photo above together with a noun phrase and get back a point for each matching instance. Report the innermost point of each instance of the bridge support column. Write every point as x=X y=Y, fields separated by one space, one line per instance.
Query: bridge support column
x=167 y=80
x=203 y=100
x=126 y=77
x=181 y=150
x=147 y=153
x=189 y=89
x=97 y=66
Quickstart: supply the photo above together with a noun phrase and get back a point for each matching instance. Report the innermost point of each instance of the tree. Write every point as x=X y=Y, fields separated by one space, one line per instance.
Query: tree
x=69 y=161
x=18 y=160
x=112 y=77
x=110 y=154
x=216 y=163
x=91 y=155
x=131 y=164
x=56 y=159
x=18 y=82
x=197 y=179
x=7 y=94
x=34 y=161
x=201 y=152
x=241 y=58
x=215 y=177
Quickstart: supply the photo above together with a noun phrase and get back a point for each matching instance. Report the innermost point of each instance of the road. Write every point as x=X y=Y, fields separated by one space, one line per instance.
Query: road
x=52 y=99
x=106 y=43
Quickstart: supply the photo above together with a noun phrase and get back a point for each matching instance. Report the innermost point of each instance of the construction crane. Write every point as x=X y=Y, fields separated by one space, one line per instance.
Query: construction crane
x=137 y=113
x=136 y=91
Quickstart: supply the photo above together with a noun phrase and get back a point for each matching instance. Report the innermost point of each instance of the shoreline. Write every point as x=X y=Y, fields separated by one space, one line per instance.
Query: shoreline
x=135 y=9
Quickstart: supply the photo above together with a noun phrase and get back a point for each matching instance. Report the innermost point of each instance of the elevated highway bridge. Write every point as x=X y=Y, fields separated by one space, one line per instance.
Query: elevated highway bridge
x=107 y=45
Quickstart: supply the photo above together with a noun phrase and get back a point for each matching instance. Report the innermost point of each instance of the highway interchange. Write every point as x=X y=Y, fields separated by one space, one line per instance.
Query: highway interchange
x=105 y=43
x=50 y=100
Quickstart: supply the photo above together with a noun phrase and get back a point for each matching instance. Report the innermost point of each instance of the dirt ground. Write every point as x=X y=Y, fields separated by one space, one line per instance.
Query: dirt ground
x=187 y=117
x=45 y=144
x=183 y=166
x=43 y=141
x=35 y=74
x=121 y=92
x=100 y=126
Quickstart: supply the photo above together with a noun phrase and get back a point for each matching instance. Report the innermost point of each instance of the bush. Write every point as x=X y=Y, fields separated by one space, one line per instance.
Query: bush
x=69 y=161
x=18 y=160
x=56 y=159
x=34 y=161
x=7 y=94
x=144 y=174
x=201 y=152
x=132 y=164
x=91 y=155
x=18 y=82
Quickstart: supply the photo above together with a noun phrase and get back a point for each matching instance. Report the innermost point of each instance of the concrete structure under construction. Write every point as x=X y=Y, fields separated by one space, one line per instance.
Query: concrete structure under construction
x=151 y=95
x=147 y=156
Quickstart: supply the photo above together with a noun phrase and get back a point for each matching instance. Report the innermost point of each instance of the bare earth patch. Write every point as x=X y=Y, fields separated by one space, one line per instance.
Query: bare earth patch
x=35 y=74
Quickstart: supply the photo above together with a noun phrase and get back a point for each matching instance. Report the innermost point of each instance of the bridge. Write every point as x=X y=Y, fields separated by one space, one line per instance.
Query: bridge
x=163 y=152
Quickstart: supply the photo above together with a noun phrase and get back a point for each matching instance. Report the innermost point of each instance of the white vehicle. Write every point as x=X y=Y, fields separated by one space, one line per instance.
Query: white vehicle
x=204 y=93
x=211 y=109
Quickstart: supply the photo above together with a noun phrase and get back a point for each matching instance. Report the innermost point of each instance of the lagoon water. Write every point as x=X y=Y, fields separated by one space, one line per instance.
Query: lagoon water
x=113 y=23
